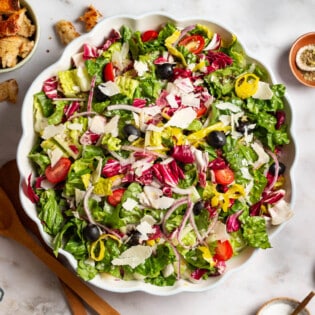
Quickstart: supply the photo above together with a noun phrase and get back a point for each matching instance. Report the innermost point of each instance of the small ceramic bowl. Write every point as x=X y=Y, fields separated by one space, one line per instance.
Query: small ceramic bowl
x=32 y=16
x=304 y=40
x=281 y=306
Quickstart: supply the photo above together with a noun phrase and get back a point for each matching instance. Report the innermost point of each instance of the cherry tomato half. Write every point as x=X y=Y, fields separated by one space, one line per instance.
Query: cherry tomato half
x=115 y=198
x=194 y=43
x=201 y=111
x=59 y=171
x=224 y=176
x=223 y=251
x=149 y=35
x=108 y=72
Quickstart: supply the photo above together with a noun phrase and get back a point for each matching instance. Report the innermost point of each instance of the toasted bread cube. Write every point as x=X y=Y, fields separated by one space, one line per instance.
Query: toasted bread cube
x=66 y=31
x=90 y=17
x=9 y=6
x=9 y=91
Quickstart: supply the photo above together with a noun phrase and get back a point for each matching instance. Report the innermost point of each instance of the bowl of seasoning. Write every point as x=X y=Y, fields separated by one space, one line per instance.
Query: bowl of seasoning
x=302 y=59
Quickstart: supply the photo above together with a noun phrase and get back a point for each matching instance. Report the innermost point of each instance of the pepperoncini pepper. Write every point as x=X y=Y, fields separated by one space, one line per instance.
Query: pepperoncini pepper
x=97 y=249
x=246 y=85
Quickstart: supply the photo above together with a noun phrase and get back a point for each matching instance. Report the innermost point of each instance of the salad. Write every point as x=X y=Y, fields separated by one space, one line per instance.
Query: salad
x=158 y=155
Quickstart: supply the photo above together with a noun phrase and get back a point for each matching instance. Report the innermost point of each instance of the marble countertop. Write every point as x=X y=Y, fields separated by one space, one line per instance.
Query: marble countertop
x=268 y=28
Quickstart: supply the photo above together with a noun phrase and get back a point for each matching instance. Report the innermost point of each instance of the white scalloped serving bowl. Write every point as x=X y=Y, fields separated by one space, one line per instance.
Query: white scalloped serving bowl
x=95 y=37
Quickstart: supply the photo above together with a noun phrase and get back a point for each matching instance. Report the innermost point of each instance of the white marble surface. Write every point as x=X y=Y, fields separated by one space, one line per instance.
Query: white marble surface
x=268 y=28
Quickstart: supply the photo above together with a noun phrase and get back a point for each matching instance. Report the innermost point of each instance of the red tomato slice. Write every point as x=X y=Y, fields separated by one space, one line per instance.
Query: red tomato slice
x=149 y=35
x=115 y=198
x=201 y=111
x=194 y=43
x=223 y=251
x=108 y=72
x=59 y=171
x=224 y=176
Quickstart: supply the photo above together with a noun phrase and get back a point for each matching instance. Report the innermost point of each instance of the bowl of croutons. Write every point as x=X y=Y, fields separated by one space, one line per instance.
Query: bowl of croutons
x=19 y=34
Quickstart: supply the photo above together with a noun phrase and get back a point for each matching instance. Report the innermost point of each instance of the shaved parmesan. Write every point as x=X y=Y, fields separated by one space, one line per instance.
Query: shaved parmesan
x=141 y=67
x=171 y=99
x=263 y=92
x=190 y=100
x=133 y=256
x=112 y=126
x=156 y=199
x=97 y=124
x=78 y=60
x=109 y=88
x=280 y=212
x=263 y=157
x=155 y=128
x=228 y=106
x=55 y=156
x=185 y=85
x=130 y=204
x=75 y=126
x=182 y=118
x=52 y=130
x=146 y=227
x=219 y=232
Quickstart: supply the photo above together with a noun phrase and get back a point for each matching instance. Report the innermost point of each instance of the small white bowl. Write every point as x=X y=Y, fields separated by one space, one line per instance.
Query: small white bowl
x=32 y=16
x=281 y=306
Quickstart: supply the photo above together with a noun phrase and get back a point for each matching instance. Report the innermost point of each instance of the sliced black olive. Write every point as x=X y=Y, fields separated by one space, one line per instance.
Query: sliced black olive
x=272 y=168
x=241 y=127
x=164 y=71
x=131 y=130
x=91 y=232
x=216 y=139
x=134 y=238
x=99 y=96
x=198 y=206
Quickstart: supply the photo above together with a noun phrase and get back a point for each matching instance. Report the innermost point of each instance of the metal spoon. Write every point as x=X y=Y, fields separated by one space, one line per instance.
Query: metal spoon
x=11 y=227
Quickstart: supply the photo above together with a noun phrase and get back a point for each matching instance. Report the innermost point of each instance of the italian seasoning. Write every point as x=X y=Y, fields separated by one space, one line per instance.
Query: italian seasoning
x=305 y=60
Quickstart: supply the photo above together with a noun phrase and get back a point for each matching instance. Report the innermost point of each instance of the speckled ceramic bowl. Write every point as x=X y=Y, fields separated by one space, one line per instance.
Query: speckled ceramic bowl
x=32 y=16
x=304 y=40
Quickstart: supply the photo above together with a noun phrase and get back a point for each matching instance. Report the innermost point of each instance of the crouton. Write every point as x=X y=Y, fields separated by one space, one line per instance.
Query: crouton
x=66 y=31
x=90 y=17
x=9 y=91
x=11 y=25
x=12 y=48
x=26 y=29
x=9 y=6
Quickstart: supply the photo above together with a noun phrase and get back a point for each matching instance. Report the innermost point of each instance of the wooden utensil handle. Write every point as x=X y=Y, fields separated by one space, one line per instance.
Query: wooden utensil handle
x=87 y=294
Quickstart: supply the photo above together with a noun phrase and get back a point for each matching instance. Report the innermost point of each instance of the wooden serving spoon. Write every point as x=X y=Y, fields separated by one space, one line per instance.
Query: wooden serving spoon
x=11 y=227
x=10 y=182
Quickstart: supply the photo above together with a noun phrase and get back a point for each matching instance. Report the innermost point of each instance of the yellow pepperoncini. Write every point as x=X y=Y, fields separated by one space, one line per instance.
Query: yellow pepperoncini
x=222 y=200
x=246 y=85
x=175 y=134
x=169 y=41
x=97 y=249
x=150 y=242
x=206 y=255
x=205 y=29
x=279 y=183
x=199 y=66
x=195 y=137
